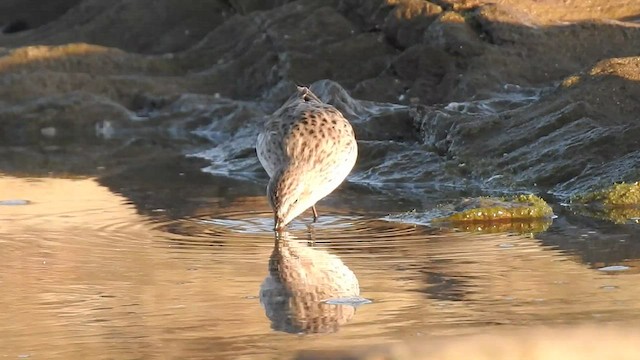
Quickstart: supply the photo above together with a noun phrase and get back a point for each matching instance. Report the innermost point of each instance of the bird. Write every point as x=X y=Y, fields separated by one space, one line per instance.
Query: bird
x=307 y=147
x=301 y=278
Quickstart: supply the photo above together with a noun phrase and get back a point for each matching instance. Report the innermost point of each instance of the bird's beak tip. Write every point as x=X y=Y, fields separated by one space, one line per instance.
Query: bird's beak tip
x=279 y=226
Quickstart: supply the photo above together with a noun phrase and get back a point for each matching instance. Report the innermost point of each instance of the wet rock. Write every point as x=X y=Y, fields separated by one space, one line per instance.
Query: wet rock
x=564 y=141
x=73 y=115
x=384 y=88
x=462 y=93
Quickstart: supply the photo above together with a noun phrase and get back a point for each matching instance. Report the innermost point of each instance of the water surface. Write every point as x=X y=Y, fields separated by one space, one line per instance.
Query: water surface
x=89 y=273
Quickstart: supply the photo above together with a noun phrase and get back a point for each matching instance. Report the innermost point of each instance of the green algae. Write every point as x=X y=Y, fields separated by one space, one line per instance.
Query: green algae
x=518 y=214
x=520 y=207
x=571 y=81
x=621 y=194
x=618 y=203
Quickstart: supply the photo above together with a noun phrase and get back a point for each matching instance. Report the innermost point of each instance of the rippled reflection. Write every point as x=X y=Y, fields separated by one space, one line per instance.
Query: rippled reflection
x=495 y=227
x=301 y=279
x=96 y=272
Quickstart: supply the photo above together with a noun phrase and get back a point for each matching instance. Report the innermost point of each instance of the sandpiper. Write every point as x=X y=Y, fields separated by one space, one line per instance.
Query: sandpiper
x=308 y=148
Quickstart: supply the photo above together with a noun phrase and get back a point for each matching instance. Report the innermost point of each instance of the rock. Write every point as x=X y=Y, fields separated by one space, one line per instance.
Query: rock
x=565 y=141
x=132 y=25
x=367 y=15
x=450 y=32
x=458 y=92
x=428 y=72
x=619 y=203
x=244 y=7
x=517 y=208
x=405 y=25
x=32 y=13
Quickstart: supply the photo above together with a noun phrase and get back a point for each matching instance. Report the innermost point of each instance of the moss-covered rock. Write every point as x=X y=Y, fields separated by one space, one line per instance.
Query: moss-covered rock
x=622 y=194
x=520 y=207
x=520 y=214
x=618 y=203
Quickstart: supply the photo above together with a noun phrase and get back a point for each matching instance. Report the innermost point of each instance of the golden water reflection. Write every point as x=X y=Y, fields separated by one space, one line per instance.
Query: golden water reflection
x=86 y=276
x=301 y=279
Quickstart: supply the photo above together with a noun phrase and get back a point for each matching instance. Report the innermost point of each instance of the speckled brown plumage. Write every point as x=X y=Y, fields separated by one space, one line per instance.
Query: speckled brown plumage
x=308 y=148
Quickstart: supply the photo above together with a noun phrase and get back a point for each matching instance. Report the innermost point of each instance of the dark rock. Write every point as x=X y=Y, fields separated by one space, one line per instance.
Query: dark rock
x=451 y=33
x=405 y=25
x=15 y=26
x=562 y=141
x=428 y=71
x=481 y=79
x=33 y=13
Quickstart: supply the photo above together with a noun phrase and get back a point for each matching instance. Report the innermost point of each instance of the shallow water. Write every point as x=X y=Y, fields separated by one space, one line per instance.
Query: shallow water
x=88 y=273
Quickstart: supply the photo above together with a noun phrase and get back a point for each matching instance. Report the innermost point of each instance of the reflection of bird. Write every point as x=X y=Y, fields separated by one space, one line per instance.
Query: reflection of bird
x=300 y=279
x=308 y=148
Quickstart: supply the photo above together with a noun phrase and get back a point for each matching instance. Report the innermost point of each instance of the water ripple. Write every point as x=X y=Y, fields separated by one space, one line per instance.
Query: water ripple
x=96 y=273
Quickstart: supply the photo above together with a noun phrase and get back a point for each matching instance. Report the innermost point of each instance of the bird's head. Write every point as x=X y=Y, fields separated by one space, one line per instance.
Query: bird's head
x=302 y=95
x=289 y=196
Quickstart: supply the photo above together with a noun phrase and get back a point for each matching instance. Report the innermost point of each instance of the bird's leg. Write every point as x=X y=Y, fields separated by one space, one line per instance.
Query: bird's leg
x=315 y=213
x=311 y=242
x=275 y=223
